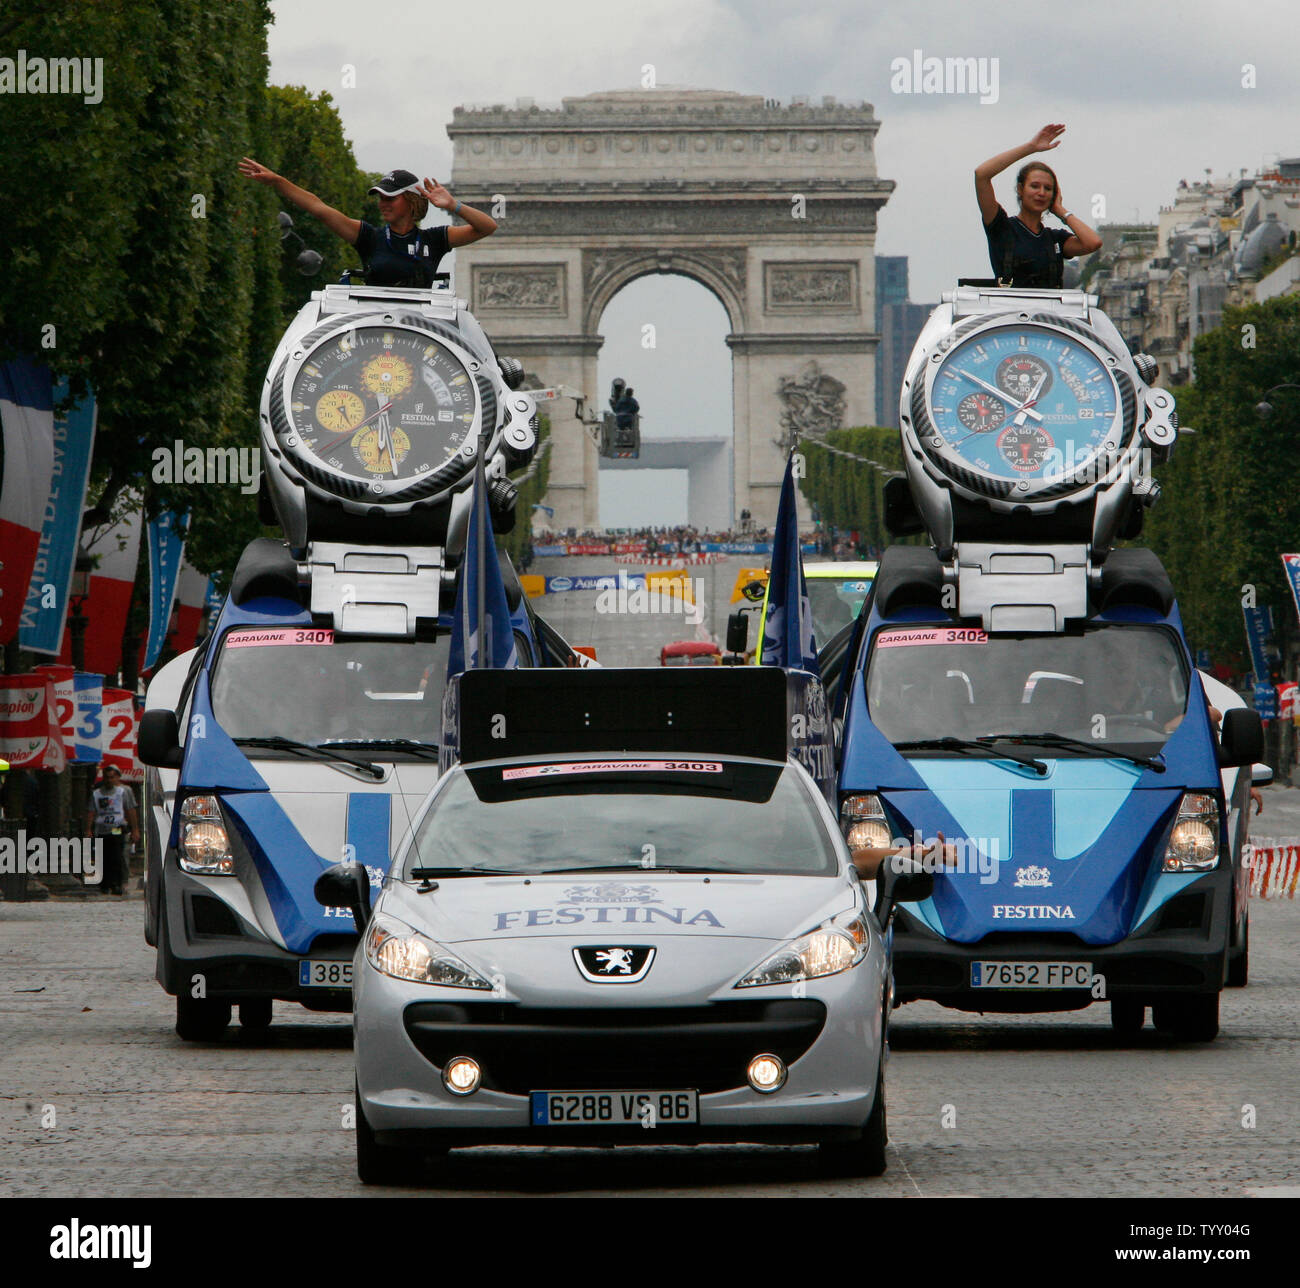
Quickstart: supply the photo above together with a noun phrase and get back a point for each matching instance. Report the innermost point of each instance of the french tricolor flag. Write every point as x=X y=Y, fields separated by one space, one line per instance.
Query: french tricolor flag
x=26 y=470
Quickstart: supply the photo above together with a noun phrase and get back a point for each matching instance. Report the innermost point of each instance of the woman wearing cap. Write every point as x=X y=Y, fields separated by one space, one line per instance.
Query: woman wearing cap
x=1021 y=251
x=401 y=253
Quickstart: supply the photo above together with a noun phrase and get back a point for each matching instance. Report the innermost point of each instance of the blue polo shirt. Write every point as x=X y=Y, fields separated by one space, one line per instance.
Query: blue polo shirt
x=1029 y=259
x=401 y=259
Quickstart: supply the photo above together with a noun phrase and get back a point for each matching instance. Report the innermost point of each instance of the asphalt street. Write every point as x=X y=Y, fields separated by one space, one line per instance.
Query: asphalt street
x=99 y=1097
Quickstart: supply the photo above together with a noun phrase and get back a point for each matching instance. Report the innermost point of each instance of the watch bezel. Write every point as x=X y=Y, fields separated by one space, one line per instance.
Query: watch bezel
x=1096 y=470
x=338 y=483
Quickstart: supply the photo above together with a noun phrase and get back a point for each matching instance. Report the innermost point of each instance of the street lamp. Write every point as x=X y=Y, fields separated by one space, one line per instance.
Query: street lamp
x=1264 y=408
x=309 y=261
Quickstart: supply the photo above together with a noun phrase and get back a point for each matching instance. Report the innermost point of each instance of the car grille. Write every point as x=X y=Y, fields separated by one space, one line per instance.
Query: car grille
x=522 y=1049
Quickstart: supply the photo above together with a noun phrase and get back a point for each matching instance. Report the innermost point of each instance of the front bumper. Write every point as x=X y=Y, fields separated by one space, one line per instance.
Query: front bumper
x=1181 y=949
x=831 y=1041
x=200 y=935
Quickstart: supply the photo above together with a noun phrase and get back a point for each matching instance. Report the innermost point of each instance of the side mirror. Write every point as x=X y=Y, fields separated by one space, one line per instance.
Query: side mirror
x=346 y=885
x=737 y=632
x=1242 y=739
x=901 y=880
x=1260 y=775
x=159 y=742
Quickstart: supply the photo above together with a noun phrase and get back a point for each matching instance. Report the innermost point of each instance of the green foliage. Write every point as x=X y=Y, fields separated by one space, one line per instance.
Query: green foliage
x=850 y=494
x=1228 y=509
x=159 y=267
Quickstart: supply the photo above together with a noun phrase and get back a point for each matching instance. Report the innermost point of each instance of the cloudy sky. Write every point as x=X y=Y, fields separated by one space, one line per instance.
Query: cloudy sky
x=1150 y=93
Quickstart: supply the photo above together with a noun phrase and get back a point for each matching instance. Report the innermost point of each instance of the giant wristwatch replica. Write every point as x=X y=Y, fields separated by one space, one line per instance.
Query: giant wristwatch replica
x=375 y=407
x=1029 y=433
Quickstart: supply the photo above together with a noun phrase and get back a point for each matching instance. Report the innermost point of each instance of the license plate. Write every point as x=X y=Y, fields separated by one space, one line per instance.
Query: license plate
x=613 y=1108
x=1031 y=975
x=325 y=974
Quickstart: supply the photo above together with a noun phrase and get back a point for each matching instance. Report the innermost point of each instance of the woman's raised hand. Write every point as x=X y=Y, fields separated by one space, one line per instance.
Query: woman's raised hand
x=438 y=195
x=1047 y=138
x=252 y=170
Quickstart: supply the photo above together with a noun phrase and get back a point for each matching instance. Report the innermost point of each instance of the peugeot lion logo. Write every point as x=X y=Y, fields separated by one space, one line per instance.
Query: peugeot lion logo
x=614 y=964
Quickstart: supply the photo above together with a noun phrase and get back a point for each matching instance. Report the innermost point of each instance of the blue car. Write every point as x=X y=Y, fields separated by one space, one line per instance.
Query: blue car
x=1089 y=785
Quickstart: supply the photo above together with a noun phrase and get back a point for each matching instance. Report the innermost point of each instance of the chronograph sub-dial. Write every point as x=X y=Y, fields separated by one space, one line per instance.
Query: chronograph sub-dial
x=340 y=410
x=1025 y=447
x=981 y=412
x=381 y=451
x=1021 y=374
x=387 y=374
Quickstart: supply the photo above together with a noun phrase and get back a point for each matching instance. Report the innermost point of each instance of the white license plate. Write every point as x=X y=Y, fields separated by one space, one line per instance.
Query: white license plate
x=325 y=974
x=1031 y=975
x=613 y=1108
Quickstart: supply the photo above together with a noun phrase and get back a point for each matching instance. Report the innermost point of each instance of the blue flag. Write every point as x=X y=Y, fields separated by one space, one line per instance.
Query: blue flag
x=481 y=632
x=788 y=630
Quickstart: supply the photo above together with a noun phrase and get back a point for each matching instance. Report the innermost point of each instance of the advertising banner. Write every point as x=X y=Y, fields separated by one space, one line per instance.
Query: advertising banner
x=166 y=550
x=46 y=608
x=30 y=737
x=88 y=695
x=119 y=725
x=65 y=704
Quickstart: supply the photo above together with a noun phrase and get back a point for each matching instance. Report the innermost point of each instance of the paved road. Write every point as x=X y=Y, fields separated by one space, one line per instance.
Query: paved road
x=1042 y=1105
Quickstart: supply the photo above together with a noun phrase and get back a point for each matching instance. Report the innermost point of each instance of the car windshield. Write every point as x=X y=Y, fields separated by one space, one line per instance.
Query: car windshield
x=1111 y=685
x=835 y=603
x=297 y=683
x=627 y=816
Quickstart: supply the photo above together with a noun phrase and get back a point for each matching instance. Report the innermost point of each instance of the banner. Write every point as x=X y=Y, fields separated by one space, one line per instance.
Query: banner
x=46 y=608
x=26 y=471
x=65 y=704
x=1292 y=565
x=1256 y=636
x=189 y=608
x=788 y=637
x=593 y=581
x=30 y=737
x=166 y=550
x=110 y=594
x=88 y=695
x=212 y=601
x=119 y=733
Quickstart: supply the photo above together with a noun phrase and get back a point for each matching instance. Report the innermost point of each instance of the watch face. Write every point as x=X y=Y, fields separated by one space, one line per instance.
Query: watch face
x=382 y=402
x=1024 y=403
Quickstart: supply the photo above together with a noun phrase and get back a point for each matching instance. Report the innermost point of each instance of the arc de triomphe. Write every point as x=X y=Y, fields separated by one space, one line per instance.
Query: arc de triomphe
x=771 y=207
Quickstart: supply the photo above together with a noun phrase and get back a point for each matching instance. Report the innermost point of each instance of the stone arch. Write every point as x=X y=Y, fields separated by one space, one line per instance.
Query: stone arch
x=772 y=208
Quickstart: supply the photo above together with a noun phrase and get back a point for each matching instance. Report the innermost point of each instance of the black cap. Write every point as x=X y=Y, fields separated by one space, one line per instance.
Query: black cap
x=396 y=181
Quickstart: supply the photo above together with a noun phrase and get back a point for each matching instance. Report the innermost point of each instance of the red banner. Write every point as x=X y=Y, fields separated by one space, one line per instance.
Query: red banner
x=120 y=724
x=65 y=704
x=30 y=737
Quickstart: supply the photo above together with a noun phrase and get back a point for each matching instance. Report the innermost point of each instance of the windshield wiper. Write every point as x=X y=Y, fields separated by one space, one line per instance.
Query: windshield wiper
x=1064 y=741
x=969 y=746
x=424 y=874
x=309 y=749
x=429 y=750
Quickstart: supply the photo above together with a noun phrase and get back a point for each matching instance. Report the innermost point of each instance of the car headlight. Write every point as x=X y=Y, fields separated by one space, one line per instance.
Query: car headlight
x=205 y=844
x=1194 y=842
x=863 y=819
x=393 y=948
x=828 y=950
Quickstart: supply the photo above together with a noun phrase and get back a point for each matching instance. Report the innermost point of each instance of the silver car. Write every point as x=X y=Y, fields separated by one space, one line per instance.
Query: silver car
x=572 y=950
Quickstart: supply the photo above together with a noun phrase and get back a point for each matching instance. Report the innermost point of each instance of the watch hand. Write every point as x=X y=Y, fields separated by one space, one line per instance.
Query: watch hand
x=993 y=389
x=1030 y=401
x=338 y=438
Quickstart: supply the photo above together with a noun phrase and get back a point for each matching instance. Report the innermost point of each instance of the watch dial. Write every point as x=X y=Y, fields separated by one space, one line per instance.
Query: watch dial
x=383 y=402
x=1023 y=402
